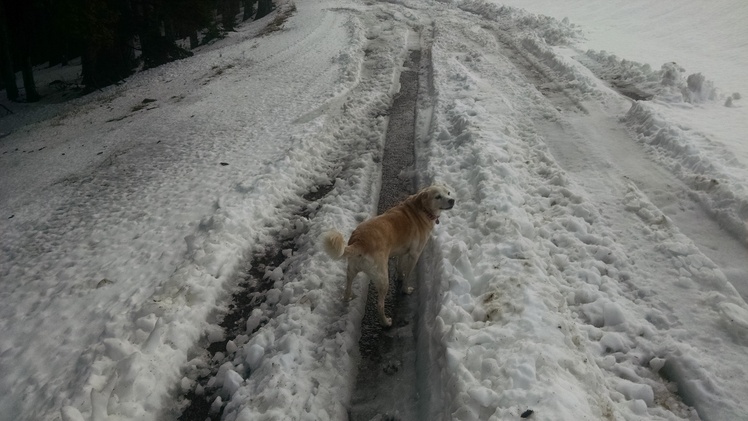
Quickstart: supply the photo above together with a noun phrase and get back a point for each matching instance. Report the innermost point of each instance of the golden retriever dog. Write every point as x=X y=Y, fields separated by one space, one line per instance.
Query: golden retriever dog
x=401 y=231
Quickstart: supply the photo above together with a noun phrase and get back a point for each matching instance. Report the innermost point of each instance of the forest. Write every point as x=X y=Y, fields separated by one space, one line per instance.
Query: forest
x=113 y=38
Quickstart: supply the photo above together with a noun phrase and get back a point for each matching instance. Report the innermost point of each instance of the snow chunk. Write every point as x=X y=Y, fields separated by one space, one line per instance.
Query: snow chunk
x=734 y=314
x=231 y=347
x=232 y=382
x=484 y=396
x=254 y=320
x=215 y=407
x=656 y=363
x=71 y=414
x=612 y=314
x=612 y=342
x=254 y=355
x=638 y=407
x=215 y=334
x=633 y=391
x=273 y=296
x=274 y=275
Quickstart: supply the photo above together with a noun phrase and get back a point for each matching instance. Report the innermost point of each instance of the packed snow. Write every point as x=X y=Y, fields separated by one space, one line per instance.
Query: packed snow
x=591 y=269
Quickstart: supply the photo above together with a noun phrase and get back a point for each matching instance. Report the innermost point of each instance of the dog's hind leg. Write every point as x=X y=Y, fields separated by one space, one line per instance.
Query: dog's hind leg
x=382 y=283
x=351 y=273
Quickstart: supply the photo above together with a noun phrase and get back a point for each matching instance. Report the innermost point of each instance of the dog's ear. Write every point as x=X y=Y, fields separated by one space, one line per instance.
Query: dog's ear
x=422 y=198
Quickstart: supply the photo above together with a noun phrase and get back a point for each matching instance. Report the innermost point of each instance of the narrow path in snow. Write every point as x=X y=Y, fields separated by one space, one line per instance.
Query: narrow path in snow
x=387 y=378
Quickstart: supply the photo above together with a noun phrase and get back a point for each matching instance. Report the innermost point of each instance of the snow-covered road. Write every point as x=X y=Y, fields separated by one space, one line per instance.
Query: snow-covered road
x=592 y=268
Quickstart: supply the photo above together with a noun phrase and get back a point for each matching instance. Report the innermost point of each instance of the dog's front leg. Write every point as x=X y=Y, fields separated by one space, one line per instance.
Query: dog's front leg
x=408 y=263
x=405 y=265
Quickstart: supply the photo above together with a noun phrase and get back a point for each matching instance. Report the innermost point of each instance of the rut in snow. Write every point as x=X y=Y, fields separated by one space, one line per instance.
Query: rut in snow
x=386 y=387
x=250 y=308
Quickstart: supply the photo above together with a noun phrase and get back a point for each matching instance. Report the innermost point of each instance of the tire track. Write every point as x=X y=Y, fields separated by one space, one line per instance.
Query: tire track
x=251 y=307
x=386 y=387
x=595 y=141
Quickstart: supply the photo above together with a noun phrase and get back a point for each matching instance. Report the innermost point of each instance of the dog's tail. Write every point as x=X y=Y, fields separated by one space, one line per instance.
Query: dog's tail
x=334 y=244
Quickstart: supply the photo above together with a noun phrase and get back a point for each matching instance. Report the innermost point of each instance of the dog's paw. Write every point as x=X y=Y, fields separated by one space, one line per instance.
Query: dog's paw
x=387 y=322
x=408 y=290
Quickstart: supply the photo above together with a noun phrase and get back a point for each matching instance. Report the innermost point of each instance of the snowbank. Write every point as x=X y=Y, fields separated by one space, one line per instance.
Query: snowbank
x=541 y=306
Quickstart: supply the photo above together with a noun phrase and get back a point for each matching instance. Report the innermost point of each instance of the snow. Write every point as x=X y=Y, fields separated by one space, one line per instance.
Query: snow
x=592 y=267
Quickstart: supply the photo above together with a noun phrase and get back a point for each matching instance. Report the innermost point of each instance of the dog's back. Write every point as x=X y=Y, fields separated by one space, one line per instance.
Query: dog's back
x=372 y=237
x=390 y=233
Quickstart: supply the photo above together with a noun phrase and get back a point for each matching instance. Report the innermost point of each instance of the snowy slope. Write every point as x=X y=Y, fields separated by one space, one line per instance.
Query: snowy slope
x=569 y=279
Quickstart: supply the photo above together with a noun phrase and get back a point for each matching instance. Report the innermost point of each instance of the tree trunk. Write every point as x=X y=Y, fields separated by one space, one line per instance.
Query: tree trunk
x=194 y=40
x=89 y=67
x=264 y=7
x=107 y=56
x=64 y=57
x=229 y=10
x=28 y=80
x=23 y=33
x=157 y=37
x=88 y=75
x=6 y=64
x=249 y=9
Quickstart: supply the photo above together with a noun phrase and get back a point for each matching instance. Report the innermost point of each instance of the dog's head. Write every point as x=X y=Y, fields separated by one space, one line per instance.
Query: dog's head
x=436 y=198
